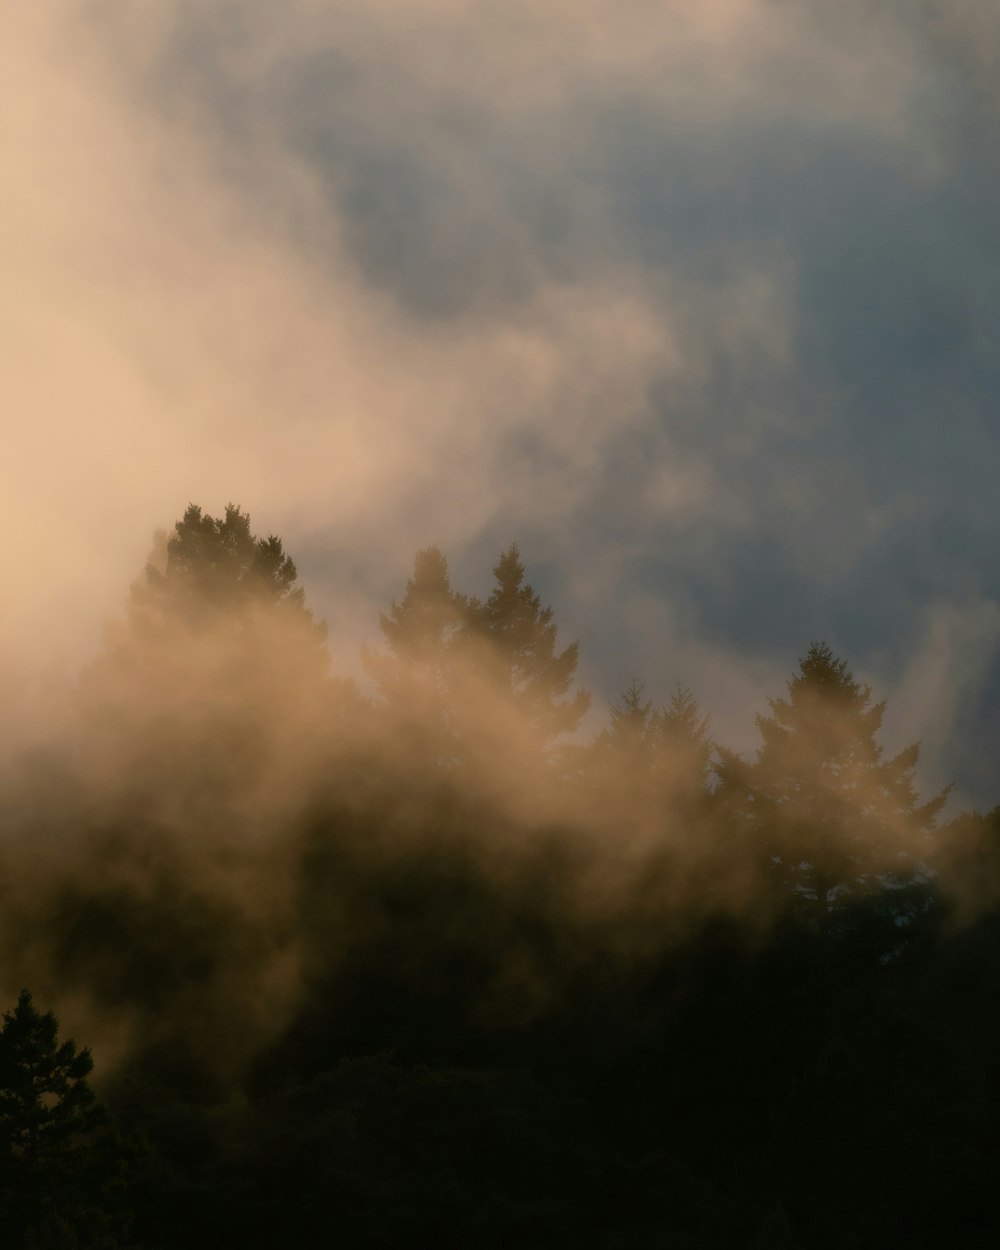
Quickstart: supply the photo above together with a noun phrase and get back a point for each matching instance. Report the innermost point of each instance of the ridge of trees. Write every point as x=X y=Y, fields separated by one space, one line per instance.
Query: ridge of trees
x=355 y=990
x=820 y=811
x=469 y=675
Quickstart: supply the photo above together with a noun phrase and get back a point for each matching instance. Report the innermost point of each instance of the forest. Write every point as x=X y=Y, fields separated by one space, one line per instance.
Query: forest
x=293 y=961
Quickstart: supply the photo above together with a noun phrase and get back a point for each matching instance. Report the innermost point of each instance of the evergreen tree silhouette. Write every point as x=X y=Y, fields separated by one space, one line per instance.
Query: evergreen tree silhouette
x=217 y=674
x=415 y=675
x=60 y=1162
x=821 y=803
x=513 y=643
x=213 y=570
x=684 y=750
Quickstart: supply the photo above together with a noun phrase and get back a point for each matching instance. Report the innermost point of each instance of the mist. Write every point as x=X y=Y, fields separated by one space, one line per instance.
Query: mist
x=607 y=857
x=557 y=284
x=184 y=765
x=249 y=880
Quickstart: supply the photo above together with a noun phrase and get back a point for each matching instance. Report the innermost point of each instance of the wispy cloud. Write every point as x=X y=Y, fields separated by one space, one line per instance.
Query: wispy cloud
x=693 y=299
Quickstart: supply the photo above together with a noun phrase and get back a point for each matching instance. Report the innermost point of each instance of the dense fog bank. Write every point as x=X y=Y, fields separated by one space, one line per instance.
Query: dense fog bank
x=418 y=962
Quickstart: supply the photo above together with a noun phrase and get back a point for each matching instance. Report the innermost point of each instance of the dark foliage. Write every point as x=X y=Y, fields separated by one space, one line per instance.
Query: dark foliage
x=692 y=1000
x=62 y=1168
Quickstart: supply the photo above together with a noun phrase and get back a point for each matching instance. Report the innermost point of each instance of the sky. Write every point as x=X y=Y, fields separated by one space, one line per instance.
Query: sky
x=696 y=302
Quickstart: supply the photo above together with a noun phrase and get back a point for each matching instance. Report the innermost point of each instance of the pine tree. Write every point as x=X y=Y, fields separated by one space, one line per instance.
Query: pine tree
x=821 y=803
x=684 y=750
x=630 y=719
x=512 y=643
x=217 y=677
x=622 y=753
x=216 y=608
x=60 y=1162
x=419 y=631
x=213 y=571
x=415 y=675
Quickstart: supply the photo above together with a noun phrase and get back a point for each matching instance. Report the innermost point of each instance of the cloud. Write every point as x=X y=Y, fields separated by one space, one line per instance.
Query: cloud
x=695 y=301
x=692 y=300
x=166 y=345
x=943 y=674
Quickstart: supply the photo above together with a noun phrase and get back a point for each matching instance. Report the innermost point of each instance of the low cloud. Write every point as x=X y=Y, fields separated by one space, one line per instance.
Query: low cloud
x=677 y=296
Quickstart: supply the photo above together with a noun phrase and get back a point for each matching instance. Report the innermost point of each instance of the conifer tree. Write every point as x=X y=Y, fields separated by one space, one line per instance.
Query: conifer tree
x=651 y=768
x=60 y=1162
x=682 y=731
x=684 y=750
x=821 y=803
x=415 y=675
x=512 y=641
x=214 y=571
x=630 y=718
x=215 y=607
x=419 y=631
x=218 y=673
x=622 y=752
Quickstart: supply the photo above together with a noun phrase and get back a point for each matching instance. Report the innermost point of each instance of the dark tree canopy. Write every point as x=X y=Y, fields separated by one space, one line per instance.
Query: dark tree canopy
x=420 y=631
x=684 y=749
x=821 y=799
x=630 y=719
x=59 y=1161
x=218 y=672
x=215 y=604
x=214 y=568
x=45 y=1101
x=415 y=675
x=513 y=641
x=441 y=979
x=652 y=767
x=473 y=678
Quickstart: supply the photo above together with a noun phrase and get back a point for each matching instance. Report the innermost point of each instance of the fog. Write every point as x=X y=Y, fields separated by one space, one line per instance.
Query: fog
x=498 y=632
x=533 y=291
x=208 y=822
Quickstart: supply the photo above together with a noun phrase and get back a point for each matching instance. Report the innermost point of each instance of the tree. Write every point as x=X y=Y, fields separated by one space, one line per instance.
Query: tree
x=216 y=681
x=215 y=571
x=420 y=632
x=60 y=1162
x=630 y=720
x=511 y=642
x=684 y=750
x=415 y=676
x=967 y=860
x=623 y=749
x=649 y=771
x=216 y=606
x=822 y=805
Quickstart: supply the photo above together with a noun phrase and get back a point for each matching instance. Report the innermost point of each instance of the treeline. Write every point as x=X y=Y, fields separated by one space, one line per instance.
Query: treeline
x=416 y=966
